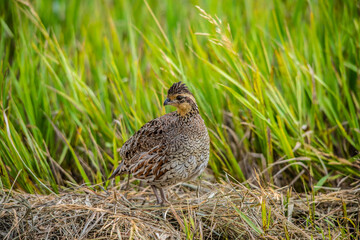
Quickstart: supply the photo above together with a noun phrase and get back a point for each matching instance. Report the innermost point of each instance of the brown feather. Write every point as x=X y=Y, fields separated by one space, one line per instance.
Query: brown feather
x=171 y=148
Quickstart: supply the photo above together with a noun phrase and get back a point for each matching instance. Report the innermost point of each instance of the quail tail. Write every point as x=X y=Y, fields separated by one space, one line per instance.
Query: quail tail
x=118 y=171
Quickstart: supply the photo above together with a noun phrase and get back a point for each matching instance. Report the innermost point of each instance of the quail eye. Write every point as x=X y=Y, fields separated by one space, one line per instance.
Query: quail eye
x=179 y=97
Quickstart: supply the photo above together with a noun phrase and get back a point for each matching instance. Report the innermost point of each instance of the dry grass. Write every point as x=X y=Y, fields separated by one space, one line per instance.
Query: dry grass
x=223 y=211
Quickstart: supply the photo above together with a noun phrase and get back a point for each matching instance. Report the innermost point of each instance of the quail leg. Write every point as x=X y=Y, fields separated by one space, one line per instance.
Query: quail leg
x=198 y=189
x=156 y=194
x=163 y=196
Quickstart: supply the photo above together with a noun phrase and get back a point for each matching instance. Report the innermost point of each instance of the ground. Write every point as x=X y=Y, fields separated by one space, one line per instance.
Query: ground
x=217 y=211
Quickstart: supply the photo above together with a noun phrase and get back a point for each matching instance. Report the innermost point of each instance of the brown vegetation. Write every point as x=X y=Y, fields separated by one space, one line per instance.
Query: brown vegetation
x=223 y=211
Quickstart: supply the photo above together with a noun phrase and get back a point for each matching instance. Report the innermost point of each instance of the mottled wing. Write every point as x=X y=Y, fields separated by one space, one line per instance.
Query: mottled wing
x=144 y=143
x=150 y=135
x=149 y=164
x=170 y=162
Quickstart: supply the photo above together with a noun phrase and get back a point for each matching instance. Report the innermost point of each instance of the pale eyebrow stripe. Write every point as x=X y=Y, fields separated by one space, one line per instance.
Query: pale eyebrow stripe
x=185 y=95
x=189 y=96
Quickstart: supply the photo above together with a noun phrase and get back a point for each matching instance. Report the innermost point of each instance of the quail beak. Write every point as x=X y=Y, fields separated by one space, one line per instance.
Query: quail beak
x=167 y=102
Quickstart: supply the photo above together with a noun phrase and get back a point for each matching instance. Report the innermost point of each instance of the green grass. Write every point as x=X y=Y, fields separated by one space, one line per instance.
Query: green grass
x=275 y=78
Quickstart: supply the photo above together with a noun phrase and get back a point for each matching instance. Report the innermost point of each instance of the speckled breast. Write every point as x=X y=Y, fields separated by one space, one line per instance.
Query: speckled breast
x=190 y=156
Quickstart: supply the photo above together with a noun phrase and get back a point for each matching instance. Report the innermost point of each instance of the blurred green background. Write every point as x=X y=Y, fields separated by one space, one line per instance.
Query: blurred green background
x=277 y=83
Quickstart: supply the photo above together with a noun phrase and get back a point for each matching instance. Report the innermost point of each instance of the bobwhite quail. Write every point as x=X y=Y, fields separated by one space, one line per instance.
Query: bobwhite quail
x=168 y=150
